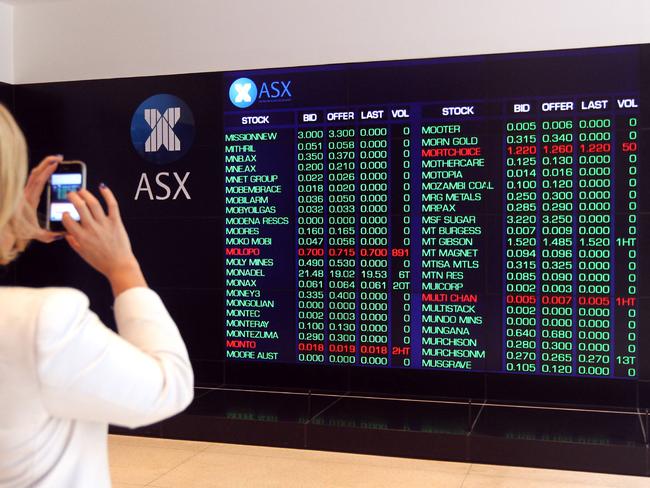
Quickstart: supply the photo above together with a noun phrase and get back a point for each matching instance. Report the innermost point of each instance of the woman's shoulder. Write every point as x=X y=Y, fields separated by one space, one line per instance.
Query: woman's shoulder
x=52 y=310
x=45 y=296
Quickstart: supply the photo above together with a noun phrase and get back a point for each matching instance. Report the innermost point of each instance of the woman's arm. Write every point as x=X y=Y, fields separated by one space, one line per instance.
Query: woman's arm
x=88 y=372
x=101 y=239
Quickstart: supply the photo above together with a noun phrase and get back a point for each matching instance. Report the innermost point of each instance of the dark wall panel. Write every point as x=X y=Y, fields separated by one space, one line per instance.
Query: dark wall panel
x=6 y=99
x=176 y=240
x=7 y=95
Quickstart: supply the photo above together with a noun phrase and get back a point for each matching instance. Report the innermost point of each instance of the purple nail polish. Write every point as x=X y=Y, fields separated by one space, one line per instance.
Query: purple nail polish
x=102 y=185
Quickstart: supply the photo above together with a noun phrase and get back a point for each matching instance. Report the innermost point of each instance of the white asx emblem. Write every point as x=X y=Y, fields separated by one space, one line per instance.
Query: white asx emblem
x=243 y=92
x=162 y=126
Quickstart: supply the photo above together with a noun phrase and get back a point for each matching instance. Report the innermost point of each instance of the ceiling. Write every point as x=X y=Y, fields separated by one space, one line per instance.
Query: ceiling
x=26 y=2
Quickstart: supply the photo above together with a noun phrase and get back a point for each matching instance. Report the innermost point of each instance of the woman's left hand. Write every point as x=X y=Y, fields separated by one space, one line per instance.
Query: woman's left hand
x=36 y=182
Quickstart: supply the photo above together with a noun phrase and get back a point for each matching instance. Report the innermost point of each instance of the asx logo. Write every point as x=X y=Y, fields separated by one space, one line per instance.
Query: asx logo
x=244 y=92
x=162 y=132
x=162 y=129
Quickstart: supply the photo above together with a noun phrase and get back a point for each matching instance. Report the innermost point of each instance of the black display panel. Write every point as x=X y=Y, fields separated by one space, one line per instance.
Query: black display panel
x=6 y=95
x=466 y=214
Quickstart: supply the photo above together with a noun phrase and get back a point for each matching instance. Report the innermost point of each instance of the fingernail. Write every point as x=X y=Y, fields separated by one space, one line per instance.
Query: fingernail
x=59 y=156
x=102 y=185
x=54 y=161
x=58 y=238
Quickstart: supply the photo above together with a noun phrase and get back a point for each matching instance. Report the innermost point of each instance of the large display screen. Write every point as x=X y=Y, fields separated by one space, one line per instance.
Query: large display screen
x=462 y=214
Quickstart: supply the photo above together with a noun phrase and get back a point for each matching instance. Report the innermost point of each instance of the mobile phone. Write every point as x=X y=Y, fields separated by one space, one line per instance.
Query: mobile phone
x=69 y=176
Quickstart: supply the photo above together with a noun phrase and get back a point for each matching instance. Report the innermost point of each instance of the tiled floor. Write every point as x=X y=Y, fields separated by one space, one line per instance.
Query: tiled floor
x=138 y=462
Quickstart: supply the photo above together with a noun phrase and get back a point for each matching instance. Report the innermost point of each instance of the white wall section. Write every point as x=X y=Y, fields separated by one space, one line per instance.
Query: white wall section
x=6 y=43
x=84 y=39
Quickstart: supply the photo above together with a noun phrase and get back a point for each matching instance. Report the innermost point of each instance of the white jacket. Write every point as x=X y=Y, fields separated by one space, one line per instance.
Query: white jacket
x=64 y=377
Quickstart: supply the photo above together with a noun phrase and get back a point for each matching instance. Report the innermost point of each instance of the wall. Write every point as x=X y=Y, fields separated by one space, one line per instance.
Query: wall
x=6 y=94
x=6 y=90
x=79 y=39
x=89 y=120
x=6 y=43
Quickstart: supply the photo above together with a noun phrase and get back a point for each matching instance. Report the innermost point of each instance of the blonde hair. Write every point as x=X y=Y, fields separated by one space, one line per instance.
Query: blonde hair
x=13 y=174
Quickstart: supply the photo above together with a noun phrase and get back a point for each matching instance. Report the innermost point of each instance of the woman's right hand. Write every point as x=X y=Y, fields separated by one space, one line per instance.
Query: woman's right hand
x=101 y=239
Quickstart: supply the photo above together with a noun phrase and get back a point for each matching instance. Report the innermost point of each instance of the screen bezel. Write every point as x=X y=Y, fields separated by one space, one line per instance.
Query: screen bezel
x=490 y=385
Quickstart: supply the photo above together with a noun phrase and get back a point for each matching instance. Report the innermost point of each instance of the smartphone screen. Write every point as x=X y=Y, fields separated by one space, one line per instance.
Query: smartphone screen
x=68 y=177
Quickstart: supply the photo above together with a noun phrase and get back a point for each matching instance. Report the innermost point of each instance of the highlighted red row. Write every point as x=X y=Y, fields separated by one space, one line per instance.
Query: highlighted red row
x=451 y=152
x=238 y=344
x=521 y=150
x=595 y=147
x=591 y=148
x=352 y=348
x=242 y=251
x=450 y=297
x=590 y=301
x=335 y=252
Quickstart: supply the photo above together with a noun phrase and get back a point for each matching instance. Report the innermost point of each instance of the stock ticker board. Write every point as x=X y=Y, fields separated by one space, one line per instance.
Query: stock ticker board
x=461 y=214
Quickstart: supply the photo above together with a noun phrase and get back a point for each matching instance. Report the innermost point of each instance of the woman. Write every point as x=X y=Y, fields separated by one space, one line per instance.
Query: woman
x=64 y=376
